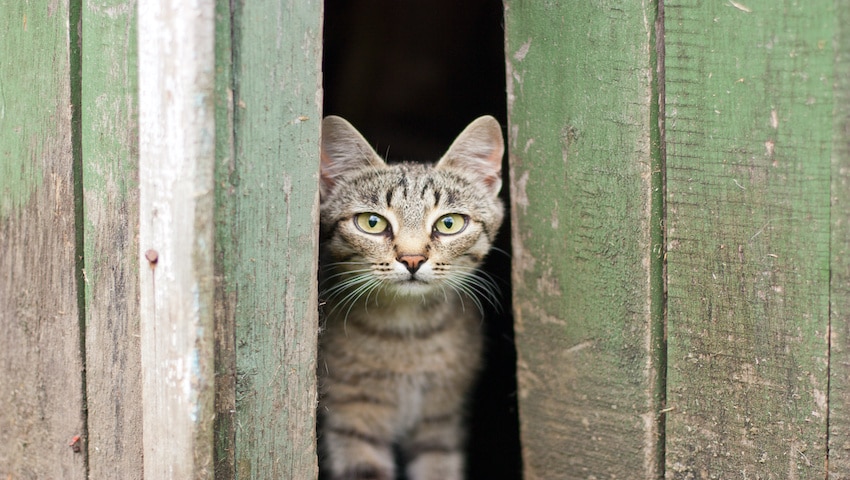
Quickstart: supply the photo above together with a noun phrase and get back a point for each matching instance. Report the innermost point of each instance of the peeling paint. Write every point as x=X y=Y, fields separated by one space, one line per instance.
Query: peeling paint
x=520 y=193
x=548 y=284
x=522 y=51
x=740 y=6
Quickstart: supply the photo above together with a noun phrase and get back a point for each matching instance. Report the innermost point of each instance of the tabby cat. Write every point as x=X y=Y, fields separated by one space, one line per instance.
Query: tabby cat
x=401 y=309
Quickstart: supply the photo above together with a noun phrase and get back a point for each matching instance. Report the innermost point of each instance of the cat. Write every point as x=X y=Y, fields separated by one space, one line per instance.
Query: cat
x=400 y=344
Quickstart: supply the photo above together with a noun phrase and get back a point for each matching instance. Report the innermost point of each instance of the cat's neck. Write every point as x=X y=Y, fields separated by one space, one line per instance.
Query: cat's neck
x=403 y=314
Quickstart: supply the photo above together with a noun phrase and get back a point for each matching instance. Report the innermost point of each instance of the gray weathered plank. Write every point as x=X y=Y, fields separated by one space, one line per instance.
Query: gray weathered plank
x=40 y=358
x=225 y=293
x=109 y=139
x=580 y=102
x=749 y=134
x=266 y=220
x=176 y=164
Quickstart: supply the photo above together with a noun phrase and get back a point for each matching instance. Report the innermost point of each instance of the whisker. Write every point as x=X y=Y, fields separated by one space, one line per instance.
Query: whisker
x=499 y=250
x=480 y=281
x=368 y=287
x=345 y=272
x=369 y=294
x=347 y=262
x=331 y=293
x=463 y=289
x=359 y=278
x=355 y=293
x=494 y=281
x=460 y=296
x=445 y=295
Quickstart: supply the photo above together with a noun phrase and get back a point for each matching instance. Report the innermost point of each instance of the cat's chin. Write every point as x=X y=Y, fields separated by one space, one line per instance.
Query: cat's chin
x=413 y=288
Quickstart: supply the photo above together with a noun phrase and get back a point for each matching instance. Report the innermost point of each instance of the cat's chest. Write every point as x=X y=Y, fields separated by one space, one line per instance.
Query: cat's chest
x=404 y=344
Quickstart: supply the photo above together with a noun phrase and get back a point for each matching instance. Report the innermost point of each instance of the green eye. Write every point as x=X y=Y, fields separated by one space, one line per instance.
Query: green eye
x=371 y=223
x=450 y=224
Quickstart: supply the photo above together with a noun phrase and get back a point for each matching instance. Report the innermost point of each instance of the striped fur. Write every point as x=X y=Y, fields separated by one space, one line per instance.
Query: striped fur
x=401 y=308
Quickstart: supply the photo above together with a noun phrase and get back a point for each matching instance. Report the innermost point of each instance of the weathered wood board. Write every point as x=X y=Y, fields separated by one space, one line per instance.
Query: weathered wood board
x=584 y=188
x=176 y=200
x=839 y=306
x=749 y=89
x=109 y=142
x=225 y=211
x=41 y=368
x=268 y=120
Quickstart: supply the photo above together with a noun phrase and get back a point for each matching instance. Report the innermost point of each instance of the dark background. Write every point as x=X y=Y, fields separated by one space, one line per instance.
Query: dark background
x=410 y=75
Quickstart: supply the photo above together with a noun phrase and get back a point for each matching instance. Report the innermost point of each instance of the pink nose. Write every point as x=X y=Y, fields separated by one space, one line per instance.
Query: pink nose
x=412 y=262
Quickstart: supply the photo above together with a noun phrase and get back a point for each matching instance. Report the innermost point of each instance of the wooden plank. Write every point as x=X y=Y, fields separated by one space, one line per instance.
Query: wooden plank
x=225 y=214
x=580 y=102
x=41 y=366
x=267 y=214
x=176 y=163
x=110 y=182
x=839 y=307
x=749 y=136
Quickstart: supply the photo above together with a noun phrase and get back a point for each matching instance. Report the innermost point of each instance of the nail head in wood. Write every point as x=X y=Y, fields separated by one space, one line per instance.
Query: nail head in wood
x=152 y=256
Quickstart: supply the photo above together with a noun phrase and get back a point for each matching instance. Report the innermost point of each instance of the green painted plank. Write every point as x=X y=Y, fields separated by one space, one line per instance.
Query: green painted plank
x=176 y=212
x=40 y=358
x=267 y=213
x=839 y=307
x=110 y=181
x=749 y=136
x=580 y=101
x=29 y=31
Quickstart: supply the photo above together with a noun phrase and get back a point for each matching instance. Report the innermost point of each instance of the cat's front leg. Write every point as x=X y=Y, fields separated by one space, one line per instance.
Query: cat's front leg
x=354 y=455
x=434 y=451
x=436 y=465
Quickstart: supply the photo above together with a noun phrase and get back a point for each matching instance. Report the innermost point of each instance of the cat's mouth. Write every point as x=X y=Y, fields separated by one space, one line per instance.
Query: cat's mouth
x=413 y=285
x=414 y=280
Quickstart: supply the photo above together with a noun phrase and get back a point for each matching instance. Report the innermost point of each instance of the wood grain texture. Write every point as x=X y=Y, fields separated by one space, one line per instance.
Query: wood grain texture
x=749 y=138
x=267 y=229
x=40 y=358
x=110 y=181
x=225 y=253
x=176 y=164
x=580 y=98
x=839 y=307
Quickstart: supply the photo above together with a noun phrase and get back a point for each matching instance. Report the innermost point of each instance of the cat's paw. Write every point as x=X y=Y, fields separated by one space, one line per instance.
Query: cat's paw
x=364 y=472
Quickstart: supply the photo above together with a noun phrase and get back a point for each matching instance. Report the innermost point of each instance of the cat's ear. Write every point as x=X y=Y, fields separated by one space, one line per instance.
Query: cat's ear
x=344 y=151
x=478 y=149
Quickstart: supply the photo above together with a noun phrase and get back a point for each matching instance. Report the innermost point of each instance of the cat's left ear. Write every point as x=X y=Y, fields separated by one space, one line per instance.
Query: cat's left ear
x=478 y=149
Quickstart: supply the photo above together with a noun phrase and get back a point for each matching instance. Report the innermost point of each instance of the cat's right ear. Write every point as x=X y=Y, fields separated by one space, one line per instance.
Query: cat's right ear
x=344 y=151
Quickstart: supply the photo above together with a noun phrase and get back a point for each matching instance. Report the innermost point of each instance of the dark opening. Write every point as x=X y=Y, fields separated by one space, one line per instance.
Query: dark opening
x=410 y=76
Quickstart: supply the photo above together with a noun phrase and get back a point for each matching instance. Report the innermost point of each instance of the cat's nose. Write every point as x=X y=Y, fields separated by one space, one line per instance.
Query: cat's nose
x=412 y=262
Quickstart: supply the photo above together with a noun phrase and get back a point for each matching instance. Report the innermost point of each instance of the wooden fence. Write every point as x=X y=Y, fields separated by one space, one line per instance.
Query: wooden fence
x=680 y=204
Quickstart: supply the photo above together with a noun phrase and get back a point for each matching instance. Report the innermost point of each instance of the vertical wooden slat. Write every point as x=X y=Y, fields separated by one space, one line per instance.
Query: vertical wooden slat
x=225 y=254
x=267 y=214
x=176 y=150
x=580 y=100
x=839 y=308
x=749 y=136
x=40 y=357
x=110 y=180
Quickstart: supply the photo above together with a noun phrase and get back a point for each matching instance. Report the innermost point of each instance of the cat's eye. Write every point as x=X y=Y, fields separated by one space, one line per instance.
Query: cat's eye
x=450 y=224
x=371 y=223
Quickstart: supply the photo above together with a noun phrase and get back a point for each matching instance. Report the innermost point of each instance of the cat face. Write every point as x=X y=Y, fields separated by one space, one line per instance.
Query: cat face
x=408 y=229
